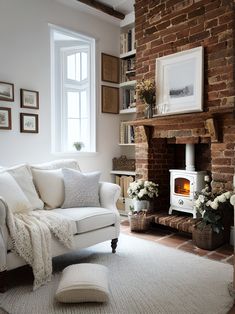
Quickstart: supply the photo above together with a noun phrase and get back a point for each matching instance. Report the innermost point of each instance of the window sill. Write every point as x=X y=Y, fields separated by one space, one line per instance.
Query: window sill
x=77 y=154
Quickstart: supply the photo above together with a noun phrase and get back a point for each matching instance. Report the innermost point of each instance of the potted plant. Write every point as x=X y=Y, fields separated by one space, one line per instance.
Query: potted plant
x=215 y=211
x=146 y=90
x=142 y=192
x=78 y=145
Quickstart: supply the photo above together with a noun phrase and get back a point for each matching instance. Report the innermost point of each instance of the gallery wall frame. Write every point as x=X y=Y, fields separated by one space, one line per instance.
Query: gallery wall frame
x=29 y=99
x=5 y=118
x=179 y=80
x=28 y=123
x=6 y=91
x=110 y=99
x=110 y=68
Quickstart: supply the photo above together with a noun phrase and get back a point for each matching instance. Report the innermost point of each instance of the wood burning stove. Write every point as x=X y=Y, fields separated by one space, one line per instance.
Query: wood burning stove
x=184 y=184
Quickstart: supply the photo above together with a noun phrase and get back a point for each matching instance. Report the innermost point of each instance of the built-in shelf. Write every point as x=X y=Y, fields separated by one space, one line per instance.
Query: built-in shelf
x=128 y=54
x=123 y=172
x=130 y=72
x=128 y=83
x=128 y=110
x=127 y=144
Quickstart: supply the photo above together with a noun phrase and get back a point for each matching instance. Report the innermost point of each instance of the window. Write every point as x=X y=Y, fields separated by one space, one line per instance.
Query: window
x=73 y=94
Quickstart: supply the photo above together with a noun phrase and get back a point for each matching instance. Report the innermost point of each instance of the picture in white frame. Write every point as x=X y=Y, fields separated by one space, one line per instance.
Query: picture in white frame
x=179 y=79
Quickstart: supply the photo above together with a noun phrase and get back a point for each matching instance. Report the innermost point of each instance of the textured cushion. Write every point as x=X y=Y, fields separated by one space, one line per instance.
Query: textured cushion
x=13 y=194
x=58 y=164
x=83 y=283
x=88 y=219
x=81 y=189
x=50 y=186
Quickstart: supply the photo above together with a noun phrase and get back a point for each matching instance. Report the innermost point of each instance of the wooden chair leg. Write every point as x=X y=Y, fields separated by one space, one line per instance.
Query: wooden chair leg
x=3 y=281
x=114 y=245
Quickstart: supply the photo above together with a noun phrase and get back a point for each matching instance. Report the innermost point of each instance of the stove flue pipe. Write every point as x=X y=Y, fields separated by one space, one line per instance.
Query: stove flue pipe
x=189 y=157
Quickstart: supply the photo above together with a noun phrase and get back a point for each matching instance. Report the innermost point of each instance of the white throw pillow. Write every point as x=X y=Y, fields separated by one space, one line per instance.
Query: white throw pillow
x=13 y=194
x=83 y=283
x=50 y=186
x=58 y=164
x=81 y=189
x=23 y=177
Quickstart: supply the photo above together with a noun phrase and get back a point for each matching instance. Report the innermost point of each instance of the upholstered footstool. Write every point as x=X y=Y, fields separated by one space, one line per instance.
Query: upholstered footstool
x=83 y=283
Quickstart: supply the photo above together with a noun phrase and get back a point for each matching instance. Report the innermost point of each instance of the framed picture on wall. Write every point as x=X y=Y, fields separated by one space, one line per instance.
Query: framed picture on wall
x=5 y=118
x=28 y=123
x=110 y=68
x=6 y=91
x=29 y=99
x=110 y=99
x=179 y=80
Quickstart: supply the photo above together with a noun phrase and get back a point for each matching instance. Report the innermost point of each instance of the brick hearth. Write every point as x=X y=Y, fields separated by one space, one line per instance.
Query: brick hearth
x=172 y=26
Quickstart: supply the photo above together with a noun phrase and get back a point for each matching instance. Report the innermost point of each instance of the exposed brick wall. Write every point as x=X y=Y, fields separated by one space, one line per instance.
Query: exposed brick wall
x=167 y=26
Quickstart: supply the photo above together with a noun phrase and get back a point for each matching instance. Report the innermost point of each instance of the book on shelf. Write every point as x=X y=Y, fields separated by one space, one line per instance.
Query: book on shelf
x=124 y=182
x=127 y=133
x=127 y=41
x=129 y=98
x=127 y=70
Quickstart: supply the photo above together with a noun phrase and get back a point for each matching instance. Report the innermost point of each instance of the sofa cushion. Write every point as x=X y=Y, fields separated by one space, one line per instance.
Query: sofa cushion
x=83 y=283
x=13 y=194
x=81 y=189
x=89 y=218
x=50 y=186
x=58 y=164
x=23 y=177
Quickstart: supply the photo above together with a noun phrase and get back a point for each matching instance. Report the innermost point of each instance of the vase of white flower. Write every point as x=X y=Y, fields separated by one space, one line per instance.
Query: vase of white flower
x=215 y=211
x=142 y=192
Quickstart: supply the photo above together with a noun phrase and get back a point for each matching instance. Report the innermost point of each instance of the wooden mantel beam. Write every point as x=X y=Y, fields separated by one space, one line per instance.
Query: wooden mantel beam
x=104 y=8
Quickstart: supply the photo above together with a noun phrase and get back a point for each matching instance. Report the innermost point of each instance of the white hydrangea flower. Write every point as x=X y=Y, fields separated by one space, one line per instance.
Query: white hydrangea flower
x=201 y=198
x=214 y=204
x=228 y=194
x=221 y=198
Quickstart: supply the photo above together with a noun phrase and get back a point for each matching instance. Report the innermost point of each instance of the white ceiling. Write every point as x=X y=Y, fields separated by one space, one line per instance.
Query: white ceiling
x=124 y=6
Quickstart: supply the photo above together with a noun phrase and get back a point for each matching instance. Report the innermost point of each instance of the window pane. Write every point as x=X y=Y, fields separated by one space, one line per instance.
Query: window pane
x=73 y=104
x=78 y=74
x=84 y=105
x=71 y=67
x=73 y=132
x=85 y=132
x=84 y=65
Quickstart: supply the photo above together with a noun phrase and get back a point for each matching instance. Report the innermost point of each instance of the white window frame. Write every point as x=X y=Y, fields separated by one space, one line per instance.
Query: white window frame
x=60 y=84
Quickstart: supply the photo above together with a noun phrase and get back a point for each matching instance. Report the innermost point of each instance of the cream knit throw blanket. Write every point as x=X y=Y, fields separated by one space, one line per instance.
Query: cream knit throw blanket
x=31 y=236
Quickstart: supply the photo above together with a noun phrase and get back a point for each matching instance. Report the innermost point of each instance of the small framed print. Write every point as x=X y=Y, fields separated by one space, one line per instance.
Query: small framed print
x=5 y=118
x=29 y=99
x=110 y=99
x=28 y=123
x=110 y=68
x=6 y=91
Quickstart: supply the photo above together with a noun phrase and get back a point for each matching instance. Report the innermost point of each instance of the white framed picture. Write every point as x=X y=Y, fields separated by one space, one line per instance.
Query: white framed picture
x=179 y=79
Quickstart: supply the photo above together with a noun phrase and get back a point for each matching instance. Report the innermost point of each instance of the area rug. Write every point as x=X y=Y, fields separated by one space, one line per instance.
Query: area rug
x=145 y=277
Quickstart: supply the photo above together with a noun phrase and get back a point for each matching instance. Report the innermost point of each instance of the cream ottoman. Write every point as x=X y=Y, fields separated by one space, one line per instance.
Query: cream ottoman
x=83 y=283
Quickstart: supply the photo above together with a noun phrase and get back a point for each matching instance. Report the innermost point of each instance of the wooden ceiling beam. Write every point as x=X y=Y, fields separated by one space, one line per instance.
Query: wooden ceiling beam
x=104 y=8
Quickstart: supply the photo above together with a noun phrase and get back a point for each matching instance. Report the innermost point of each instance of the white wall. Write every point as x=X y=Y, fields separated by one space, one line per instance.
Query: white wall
x=25 y=61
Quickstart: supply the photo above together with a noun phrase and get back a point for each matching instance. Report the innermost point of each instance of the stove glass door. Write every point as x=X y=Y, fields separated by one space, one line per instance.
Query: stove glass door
x=182 y=186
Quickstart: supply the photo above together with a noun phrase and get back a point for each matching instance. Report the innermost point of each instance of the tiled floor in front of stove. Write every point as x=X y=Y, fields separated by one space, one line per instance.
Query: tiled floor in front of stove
x=180 y=241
